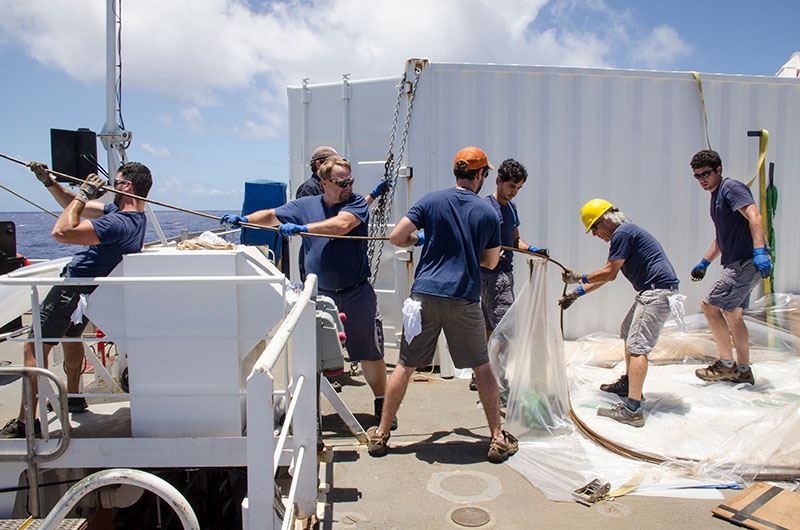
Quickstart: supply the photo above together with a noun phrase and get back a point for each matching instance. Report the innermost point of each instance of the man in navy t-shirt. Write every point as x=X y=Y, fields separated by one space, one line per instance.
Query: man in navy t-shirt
x=497 y=285
x=340 y=264
x=743 y=254
x=642 y=260
x=461 y=235
x=109 y=231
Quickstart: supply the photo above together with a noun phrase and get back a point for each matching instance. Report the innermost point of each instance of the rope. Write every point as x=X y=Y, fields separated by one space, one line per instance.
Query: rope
x=42 y=208
x=186 y=210
x=785 y=474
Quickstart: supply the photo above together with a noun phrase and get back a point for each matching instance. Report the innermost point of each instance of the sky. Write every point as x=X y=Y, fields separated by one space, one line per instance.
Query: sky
x=204 y=81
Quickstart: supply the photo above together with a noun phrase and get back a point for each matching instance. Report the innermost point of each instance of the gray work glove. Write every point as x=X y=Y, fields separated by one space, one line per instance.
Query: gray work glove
x=568 y=299
x=40 y=170
x=92 y=188
x=570 y=276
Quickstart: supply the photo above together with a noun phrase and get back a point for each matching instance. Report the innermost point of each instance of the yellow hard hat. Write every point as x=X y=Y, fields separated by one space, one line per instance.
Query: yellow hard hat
x=592 y=211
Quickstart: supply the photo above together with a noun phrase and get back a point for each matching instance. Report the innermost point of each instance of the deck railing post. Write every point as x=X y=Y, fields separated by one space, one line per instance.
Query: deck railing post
x=260 y=427
x=304 y=426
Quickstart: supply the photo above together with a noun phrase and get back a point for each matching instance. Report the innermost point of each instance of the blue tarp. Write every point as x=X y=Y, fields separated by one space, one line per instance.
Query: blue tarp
x=262 y=195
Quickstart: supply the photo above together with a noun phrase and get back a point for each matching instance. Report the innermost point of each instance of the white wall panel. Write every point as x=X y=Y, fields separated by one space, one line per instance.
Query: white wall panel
x=623 y=135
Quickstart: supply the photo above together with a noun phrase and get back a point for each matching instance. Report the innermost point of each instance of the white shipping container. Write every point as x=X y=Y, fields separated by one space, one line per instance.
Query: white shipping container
x=623 y=135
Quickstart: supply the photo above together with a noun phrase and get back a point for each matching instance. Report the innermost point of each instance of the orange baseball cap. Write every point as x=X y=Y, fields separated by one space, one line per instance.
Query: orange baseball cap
x=474 y=157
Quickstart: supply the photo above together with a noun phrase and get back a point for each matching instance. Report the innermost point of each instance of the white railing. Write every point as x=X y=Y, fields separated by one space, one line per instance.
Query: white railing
x=299 y=326
x=264 y=451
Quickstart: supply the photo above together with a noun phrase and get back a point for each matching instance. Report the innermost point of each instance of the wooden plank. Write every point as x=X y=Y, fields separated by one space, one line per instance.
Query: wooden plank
x=763 y=507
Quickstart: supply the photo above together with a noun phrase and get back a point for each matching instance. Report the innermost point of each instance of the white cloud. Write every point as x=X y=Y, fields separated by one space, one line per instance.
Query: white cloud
x=662 y=46
x=189 y=190
x=204 y=52
x=162 y=152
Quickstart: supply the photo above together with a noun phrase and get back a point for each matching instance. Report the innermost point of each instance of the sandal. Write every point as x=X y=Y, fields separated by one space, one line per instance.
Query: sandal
x=377 y=444
x=500 y=451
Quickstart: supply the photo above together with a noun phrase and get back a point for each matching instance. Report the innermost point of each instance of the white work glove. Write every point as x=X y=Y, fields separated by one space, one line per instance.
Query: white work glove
x=91 y=189
x=40 y=170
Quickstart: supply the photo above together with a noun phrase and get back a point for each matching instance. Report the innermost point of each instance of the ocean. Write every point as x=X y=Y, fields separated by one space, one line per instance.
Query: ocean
x=34 y=241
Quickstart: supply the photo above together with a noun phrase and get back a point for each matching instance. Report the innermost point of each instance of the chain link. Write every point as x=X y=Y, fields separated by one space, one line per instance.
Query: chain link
x=381 y=215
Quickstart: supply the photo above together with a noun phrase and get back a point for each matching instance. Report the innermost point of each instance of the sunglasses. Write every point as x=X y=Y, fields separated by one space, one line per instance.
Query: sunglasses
x=343 y=183
x=703 y=175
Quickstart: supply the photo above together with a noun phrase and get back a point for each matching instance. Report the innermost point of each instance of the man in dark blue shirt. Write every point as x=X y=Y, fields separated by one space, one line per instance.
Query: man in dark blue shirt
x=339 y=263
x=109 y=231
x=643 y=262
x=740 y=244
x=461 y=235
x=497 y=285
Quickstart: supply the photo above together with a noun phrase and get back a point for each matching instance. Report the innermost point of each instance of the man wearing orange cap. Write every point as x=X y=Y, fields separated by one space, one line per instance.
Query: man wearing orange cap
x=462 y=233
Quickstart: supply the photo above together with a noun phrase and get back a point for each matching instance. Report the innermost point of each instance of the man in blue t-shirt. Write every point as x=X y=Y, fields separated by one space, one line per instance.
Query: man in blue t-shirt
x=497 y=284
x=740 y=242
x=461 y=235
x=340 y=263
x=109 y=231
x=644 y=263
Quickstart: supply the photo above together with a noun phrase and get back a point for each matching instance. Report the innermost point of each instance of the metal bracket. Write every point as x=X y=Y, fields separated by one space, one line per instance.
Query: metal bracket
x=406 y=172
x=591 y=493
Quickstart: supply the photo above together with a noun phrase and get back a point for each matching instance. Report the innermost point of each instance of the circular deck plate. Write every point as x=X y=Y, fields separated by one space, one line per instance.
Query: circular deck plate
x=470 y=516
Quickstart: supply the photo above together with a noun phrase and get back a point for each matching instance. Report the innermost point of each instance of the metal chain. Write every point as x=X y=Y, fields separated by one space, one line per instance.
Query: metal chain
x=381 y=215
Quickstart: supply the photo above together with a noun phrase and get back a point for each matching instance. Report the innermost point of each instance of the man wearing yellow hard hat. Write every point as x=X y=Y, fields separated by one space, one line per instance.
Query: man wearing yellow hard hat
x=642 y=260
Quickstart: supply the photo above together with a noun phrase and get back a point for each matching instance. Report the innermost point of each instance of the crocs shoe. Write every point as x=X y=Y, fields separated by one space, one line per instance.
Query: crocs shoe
x=377 y=444
x=500 y=451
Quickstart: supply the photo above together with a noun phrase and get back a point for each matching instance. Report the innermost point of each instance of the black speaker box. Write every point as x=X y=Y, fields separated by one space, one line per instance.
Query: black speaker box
x=73 y=153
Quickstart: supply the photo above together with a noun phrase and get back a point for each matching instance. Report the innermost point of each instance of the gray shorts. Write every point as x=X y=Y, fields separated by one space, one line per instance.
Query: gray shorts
x=463 y=327
x=732 y=290
x=644 y=321
x=363 y=325
x=497 y=295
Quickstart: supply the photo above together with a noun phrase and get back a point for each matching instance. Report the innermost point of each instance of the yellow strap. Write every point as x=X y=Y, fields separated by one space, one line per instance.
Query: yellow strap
x=703 y=104
x=762 y=148
x=628 y=487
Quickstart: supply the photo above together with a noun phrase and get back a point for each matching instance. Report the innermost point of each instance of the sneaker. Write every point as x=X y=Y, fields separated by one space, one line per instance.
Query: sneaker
x=618 y=387
x=623 y=414
x=379 y=413
x=500 y=451
x=76 y=404
x=743 y=377
x=473 y=383
x=16 y=429
x=377 y=444
x=718 y=372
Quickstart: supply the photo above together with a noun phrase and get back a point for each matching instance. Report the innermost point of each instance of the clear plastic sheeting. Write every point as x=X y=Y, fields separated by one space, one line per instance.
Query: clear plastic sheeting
x=536 y=383
x=708 y=434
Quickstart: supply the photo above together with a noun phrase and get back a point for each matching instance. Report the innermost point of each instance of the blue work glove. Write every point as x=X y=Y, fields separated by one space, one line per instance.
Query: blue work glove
x=421 y=236
x=233 y=219
x=382 y=187
x=699 y=271
x=762 y=262
x=290 y=229
x=539 y=250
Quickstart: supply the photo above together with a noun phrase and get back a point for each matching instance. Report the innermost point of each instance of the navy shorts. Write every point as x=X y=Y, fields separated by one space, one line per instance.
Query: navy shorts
x=363 y=325
x=462 y=322
x=56 y=310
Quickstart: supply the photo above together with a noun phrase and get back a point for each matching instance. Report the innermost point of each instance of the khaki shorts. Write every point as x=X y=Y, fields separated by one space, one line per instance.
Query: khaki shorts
x=462 y=322
x=732 y=289
x=645 y=319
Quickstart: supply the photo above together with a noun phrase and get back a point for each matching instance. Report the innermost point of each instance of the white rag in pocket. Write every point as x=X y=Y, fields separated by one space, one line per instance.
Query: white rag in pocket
x=412 y=319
